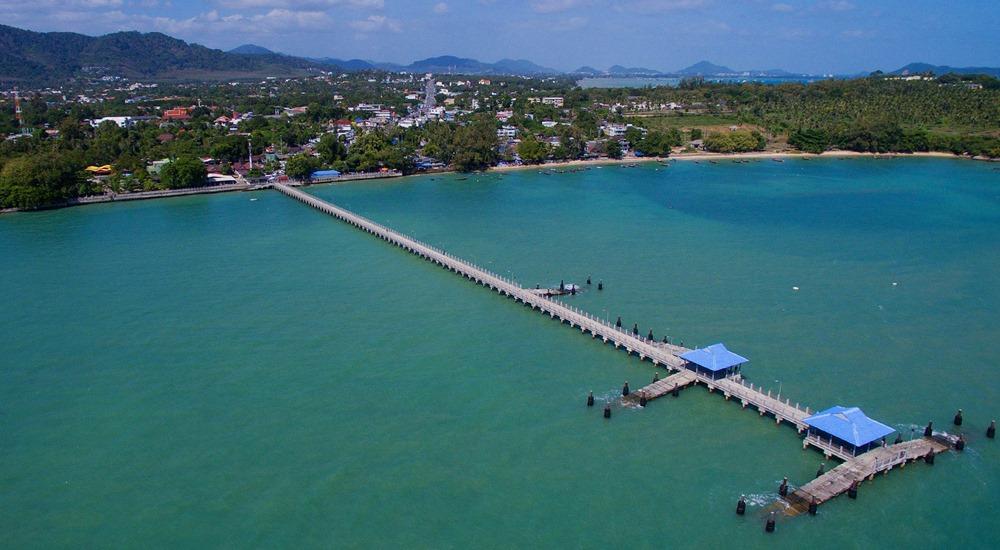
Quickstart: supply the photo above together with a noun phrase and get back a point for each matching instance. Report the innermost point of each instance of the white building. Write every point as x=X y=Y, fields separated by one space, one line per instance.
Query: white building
x=614 y=130
x=121 y=121
x=508 y=132
x=554 y=101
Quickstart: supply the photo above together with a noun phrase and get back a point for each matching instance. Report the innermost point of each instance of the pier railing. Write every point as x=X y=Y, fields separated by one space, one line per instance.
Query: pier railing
x=585 y=321
x=828 y=447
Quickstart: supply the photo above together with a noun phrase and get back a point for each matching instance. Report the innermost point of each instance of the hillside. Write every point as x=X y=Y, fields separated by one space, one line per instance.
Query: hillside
x=705 y=68
x=251 y=49
x=33 y=57
x=917 y=68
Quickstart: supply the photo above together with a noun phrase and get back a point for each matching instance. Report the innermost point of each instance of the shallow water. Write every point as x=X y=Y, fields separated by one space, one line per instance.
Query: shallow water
x=211 y=371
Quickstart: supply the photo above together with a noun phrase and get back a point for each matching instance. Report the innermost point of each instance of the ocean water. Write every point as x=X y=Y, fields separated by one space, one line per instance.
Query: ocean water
x=673 y=82
x=227 y=372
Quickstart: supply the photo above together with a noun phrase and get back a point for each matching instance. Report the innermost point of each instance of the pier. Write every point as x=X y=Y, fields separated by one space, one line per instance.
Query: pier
x=677 y=381
x=856 y=470
x=856 y=466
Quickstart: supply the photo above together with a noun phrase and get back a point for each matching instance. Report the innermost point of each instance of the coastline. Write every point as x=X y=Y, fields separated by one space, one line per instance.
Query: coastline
x=754 y=155
x=698 y=156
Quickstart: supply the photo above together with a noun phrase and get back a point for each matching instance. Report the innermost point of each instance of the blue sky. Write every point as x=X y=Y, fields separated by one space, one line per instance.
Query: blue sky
x=809 y=36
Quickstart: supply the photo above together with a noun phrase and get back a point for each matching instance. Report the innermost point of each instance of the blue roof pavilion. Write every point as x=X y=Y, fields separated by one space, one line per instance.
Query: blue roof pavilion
x=715 y=361
x=848 y=427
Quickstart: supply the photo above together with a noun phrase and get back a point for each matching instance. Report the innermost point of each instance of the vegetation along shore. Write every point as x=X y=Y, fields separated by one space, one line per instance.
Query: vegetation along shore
x=109 y=137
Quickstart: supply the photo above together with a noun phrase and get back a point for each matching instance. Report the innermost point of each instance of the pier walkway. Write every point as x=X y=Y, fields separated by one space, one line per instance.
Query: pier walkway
x=662 y=387
x=838 y=480
x=664 y=355
x=858 y=469
x=586 y=322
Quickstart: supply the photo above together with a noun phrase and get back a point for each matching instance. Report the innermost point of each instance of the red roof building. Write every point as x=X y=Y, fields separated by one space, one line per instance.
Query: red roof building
x=177 y=114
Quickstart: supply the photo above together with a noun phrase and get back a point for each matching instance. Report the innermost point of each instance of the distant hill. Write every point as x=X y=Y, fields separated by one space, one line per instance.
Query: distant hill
x=705 y=68
x=36 y=57
x=586 y=70
x=348 y=64
x=521 y=67
x=618 y=70
x=251 y=49
x=449 y=64
x=916 y=68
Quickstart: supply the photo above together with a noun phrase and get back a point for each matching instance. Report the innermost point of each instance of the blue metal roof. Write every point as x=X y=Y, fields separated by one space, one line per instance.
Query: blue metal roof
x=325 y=174
x=714 y=358
x=849 y=424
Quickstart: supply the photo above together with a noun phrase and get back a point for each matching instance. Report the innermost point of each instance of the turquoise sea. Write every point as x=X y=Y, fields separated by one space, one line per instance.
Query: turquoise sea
x=242 y=371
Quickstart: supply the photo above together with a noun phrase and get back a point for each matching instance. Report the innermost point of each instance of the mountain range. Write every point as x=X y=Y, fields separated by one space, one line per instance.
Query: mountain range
x=37 y=57
x=917 y=68
x=27 y=56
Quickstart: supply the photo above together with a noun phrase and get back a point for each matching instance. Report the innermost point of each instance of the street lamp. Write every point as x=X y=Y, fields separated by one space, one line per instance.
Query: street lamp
x=779 y=387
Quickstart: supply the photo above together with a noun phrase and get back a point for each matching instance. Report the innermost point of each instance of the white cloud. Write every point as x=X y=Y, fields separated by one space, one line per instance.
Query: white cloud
x=838 y=5
x=374 y=23
x=653 y=6
x=568 y=24
x=300 y=4
x=271 y=22
x=857 y=33
x=441 y=7
x=784 y=8
x=552 y=6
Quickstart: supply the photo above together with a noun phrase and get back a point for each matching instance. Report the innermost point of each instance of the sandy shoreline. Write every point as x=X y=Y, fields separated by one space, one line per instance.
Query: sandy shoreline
x=700 y=156
x=756 y=155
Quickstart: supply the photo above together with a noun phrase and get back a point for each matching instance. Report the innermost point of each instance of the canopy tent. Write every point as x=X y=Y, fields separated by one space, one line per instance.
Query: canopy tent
x=848 y=424
x=714 y=358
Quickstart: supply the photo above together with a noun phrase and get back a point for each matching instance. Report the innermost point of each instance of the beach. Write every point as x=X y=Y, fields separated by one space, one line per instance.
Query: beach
x=699 y=156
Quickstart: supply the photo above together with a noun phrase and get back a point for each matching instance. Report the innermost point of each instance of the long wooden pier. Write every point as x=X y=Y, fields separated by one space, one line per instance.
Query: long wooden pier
x=586 y=322
x=854 y=469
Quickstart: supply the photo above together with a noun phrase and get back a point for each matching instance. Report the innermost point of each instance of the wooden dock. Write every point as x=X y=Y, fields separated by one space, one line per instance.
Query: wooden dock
x=860 y=468
x=764 y=401
x=661 y=387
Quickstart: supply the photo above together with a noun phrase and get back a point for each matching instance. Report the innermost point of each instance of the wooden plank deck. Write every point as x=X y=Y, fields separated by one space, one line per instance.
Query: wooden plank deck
x=858 y=469
x=661 y=387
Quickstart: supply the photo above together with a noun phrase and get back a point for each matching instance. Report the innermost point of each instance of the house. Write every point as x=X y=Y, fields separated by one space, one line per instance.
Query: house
x=485 y=82
x=614 y=130
x=554 y=101
x=508 y=132
x=549 y=123
x=847 y=427
x=715 y=361
x=177 y=114
x=121 y=121
x=504 y=116
x=155 y=166
x=384 y=115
